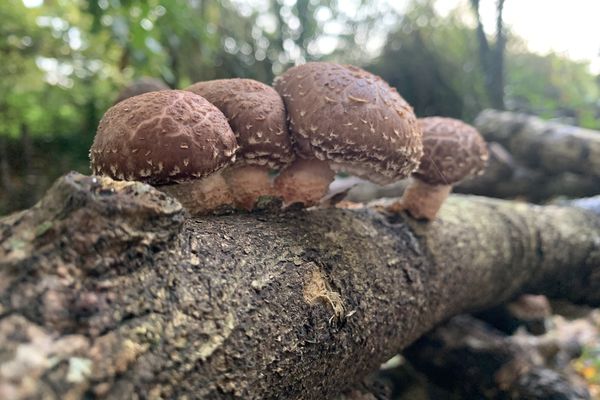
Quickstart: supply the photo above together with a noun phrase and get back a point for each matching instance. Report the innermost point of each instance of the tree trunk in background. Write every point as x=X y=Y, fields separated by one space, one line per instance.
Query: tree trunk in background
x=108 y=289
x=27 y=147
x=492 y=55
x=125 y=58
x=280 y=33
x=4 y=166
x=497 y=56
x=173 y=51
x=90 y=116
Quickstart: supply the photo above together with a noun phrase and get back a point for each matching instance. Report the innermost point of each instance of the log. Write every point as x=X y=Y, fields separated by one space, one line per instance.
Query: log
x=505 y=177
x=473 y=360
x=540 y=144
x=527 y=311
x=108 y=289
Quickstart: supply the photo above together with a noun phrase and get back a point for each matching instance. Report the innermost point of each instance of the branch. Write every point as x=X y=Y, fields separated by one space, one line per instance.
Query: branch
x=108 y=289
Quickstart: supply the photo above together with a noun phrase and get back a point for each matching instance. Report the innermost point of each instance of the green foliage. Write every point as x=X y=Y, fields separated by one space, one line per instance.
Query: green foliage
x=433 y=62
x=553 y=86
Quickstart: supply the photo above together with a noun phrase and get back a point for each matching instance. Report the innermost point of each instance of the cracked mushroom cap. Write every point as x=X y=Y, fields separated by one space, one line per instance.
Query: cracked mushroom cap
x=351 y=118
x=453 y=151
x=162 y=137
x=256 y=114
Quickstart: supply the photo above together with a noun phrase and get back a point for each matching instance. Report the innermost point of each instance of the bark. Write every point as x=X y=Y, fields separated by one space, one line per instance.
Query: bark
x=544 y=145
x=107 y=289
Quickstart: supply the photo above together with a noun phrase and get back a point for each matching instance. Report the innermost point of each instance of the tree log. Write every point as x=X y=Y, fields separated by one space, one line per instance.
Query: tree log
x=545 y=145
x=470 y=358
x=527 y=311
x=505 y=177
x=108 y=289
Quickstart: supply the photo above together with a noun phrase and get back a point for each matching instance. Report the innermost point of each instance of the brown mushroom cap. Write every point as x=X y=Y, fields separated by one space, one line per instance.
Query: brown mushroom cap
x=453 y=150
x=351 y=118
x=257 y=116
x=162 y=137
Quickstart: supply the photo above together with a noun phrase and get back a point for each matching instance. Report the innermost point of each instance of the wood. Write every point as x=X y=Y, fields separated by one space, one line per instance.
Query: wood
x=108 y=289
x=508 y=178
x=545 y=145
x=474 y=361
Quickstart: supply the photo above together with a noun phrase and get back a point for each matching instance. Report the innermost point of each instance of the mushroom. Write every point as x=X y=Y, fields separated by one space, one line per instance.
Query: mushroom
x=343 y=118
x=452 y=151
x=256 y=114
x=173 y=139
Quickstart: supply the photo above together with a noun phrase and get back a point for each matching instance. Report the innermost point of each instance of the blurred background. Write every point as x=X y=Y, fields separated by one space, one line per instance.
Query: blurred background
x=64 y=62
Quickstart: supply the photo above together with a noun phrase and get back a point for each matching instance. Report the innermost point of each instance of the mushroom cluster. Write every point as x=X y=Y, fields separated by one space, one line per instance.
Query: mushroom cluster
x=225 y=143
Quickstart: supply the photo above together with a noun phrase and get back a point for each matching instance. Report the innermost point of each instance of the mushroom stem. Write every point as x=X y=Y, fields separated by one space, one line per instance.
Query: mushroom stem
x=306 y=181
x=247 y=184
x=201 y=196
x=421 y=200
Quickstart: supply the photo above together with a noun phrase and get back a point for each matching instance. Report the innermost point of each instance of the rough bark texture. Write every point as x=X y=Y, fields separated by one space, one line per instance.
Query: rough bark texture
x=546 y=145
x=109 y=289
